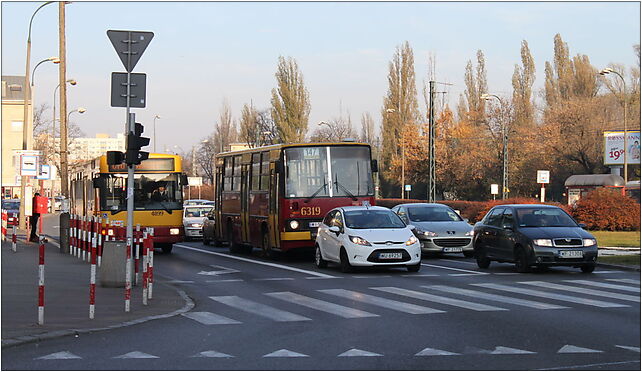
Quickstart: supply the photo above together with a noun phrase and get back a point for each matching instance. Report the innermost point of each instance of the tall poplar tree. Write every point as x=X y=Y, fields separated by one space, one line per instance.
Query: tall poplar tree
x=523 y=79
x=290 y=102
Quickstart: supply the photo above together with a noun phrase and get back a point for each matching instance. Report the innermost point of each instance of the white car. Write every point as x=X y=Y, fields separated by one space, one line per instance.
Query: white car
x=366 y=236
x=193 y=217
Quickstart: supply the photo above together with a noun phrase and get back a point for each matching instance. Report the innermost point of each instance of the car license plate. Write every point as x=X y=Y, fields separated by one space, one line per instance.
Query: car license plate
x=453 y=250
x=571 y=254
x=315 y=224
x=390 y=256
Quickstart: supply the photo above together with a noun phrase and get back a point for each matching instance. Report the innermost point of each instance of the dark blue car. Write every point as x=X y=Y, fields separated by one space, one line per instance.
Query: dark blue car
x=533 y=235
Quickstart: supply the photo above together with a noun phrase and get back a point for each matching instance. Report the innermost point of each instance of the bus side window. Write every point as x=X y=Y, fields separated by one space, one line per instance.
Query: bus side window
x=256 y=170
x=265 y=170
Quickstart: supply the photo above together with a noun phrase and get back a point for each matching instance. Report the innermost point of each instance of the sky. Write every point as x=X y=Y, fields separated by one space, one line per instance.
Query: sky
x=204 y=53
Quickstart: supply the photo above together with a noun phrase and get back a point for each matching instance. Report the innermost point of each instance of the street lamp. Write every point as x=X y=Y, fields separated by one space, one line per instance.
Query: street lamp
x=25 y=119
x=55 y=60
x=604 y=72
x=488 y=97
x=80 y=110
x=53 y=130
x=155 y=117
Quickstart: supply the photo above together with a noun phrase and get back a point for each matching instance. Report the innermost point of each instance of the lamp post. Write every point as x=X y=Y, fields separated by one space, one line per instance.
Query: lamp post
x=80 y=110
x=26 y=144
x=53 y=130
x=488 y=97
x=155 y=117
x=604 y=72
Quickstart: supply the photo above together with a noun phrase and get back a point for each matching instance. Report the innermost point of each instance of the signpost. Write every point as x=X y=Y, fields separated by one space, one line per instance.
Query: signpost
x=494 y=190
x=407 y=188
x=543 y=177
x=129 y=46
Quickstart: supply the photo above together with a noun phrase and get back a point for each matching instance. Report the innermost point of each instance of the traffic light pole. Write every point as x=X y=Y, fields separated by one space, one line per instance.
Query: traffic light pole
x=130 y=180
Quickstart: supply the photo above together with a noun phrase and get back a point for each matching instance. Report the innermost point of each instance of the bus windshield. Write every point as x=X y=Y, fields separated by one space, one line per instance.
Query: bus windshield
x=152 y=191
x=327 y=171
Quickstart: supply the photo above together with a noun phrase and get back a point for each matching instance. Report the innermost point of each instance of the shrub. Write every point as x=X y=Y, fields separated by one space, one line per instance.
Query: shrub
x=607 y=209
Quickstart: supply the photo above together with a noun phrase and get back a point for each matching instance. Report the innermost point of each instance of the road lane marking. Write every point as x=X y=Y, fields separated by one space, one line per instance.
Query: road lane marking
x=464 y=262
x=455 y=269
x=314 y=273
x=284 y=353
x=60 y=355
x=211 y=354
x=271 y=279
x=208 y=318
x=582 y=290
x=500 y=350
x=433 y=352
x=571 y=349
x=224 y=280
x=358 y=353
x=443 y=300
x=632 y=348
x=553 y=296
x=418 y=275
x=259 y=309
x=603 y=272
x=496 y=297
x=606 y=285
x=223 y=270
x=383 y=302
x=629 y=281
x=370 y=276
x=328 y=307
x=136 y=355
x=586 y=366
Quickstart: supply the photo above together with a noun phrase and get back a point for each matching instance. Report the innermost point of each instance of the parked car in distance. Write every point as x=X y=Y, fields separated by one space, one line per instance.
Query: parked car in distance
x=193 y=217
x=208 y=227
x=438 y=227
x=12 y=207
x=366 y=236
x=533 y=235
x=197 y=202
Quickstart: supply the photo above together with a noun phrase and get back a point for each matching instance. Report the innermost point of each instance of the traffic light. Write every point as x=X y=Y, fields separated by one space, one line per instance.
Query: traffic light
x=134 y=143
x=115 y=157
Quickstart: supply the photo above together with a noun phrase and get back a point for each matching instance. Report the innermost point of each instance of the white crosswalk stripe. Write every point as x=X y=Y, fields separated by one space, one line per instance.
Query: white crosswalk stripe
x=570 y=349
x=496 y=297
x=500 y=350
x=208 y=318
x=211 y=354
x=328 y=307
x=284 y=353
x=434 y=352
x=606 y=285
x=358 y=353
x=632 y=348
x=439 y=299
x=259 y=309
x=60 y=355
x=586 y=291
x=136 y=355
x=629 y=281
x=383 y=302
x=553 y=296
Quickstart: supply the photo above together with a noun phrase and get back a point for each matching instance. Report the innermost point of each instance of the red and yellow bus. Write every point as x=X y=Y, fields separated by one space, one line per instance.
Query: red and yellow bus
x=275 y=197
x=99 y=189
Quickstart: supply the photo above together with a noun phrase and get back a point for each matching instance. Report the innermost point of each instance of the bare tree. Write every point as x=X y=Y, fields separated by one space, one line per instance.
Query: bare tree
x=290 y=102
x=335 y=130
x=225 y=129
x=204 y=157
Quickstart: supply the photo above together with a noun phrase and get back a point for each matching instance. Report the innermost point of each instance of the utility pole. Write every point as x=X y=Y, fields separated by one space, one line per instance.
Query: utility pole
x=64 y=171
x=431 y=145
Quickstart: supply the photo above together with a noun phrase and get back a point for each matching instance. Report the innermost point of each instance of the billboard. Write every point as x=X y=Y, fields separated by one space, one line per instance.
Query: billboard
x=614 y=147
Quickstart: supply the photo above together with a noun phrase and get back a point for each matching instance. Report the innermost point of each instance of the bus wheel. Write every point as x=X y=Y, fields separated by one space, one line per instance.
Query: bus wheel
x=234 y=246
x=167 y=248
x=265 y=246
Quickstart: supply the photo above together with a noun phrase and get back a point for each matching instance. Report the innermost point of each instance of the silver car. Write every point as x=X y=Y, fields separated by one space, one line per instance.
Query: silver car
x=438 y=227
x=193 y=217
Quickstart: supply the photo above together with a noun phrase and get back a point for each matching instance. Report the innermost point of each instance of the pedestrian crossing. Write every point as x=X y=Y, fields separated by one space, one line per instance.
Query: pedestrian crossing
x=421 y=300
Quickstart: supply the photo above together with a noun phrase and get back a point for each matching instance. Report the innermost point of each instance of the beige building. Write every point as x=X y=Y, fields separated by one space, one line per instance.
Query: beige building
x=12 y=120
x=87 y=148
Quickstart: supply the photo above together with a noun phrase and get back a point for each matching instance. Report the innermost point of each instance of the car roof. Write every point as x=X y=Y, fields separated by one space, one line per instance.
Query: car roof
x=422 y=205
x=362 y=208
x=526 y=206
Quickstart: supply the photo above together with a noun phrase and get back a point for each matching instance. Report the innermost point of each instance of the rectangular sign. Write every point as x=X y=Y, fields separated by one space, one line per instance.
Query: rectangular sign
x=137 y=89
x=195 y=181
x=45 y=172
x=161 y=165
x=543 y=176
x=494 y=189
x=614 y=147
x=28 y=165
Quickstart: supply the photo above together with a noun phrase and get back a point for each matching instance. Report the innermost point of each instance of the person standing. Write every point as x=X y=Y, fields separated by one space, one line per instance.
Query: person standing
x=34 y=218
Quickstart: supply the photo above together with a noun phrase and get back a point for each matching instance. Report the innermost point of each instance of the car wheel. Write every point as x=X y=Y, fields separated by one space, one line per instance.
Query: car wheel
x=318 y=258
x=588 y=268
x=345 y=262
x=469 y=254
x=521 y=261
x=482 y=261
x=206 y=241
x=414 y=268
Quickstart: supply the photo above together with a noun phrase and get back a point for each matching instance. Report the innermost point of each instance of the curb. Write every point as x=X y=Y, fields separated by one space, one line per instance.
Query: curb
x=11 y=342
x=619 y=267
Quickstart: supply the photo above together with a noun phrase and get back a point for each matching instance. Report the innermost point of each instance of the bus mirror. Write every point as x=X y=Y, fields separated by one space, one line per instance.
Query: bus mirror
x=184 y=179
x=98 y=183
x=278 y=165
x=375 y=166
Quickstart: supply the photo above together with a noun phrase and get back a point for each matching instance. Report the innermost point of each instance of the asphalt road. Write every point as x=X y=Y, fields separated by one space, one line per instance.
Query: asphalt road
x=254 y=314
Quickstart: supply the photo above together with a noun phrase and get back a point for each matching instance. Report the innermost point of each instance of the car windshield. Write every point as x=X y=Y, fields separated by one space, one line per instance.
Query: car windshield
x=197 y=211
x=10 y=204
x=373 y=219
x=544 y=217
x=432 y=214
x=152 y=191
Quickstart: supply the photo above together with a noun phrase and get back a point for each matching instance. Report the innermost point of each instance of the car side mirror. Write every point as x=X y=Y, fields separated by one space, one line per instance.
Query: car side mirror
x=582 y=225
x=466 y=220
x=507 y=226
x=334 y=229
x=411 y=227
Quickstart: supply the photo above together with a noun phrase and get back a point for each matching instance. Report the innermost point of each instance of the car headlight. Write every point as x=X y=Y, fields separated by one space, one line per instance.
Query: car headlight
x=470 y=233
x=589 y=242
x=174 y=231
x=412 y=240
x=426 y=233
x=359 y=240
x=543 y=242
x=294 y=224
x=196 y=225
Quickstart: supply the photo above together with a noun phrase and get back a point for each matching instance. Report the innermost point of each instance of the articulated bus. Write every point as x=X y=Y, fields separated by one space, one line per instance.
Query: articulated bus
x=99 y=189
x=275 y=197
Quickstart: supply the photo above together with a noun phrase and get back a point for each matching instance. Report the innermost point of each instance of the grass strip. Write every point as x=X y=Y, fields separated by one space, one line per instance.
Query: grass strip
x=617 y=238
x=633 y=259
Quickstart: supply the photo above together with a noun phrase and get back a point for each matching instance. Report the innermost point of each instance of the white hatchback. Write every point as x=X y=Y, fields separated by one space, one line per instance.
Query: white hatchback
x=366 y=236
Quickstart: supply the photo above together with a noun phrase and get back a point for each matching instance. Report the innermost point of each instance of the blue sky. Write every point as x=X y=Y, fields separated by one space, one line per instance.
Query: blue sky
x=204 y=52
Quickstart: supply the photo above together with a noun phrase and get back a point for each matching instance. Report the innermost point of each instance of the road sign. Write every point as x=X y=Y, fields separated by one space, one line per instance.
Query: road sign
x=137 y=90
x=195 y=181
x=28 y=165
x=408 y=188
x=494 y=189
x=543 y=176
x=130 y=45
x=45 y=172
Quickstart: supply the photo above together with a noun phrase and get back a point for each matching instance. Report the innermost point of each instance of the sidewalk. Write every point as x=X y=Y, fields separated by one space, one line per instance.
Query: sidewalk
x=67 y=297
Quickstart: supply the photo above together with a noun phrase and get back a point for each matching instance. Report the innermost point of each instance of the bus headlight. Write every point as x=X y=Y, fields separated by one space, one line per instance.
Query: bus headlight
x=294 y=224
x=174 y=231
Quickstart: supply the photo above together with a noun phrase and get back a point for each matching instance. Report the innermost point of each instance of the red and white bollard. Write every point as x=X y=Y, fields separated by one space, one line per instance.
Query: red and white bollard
x=81 y=236
x=14 y=234
x=41 y=282
x=151 y=265
x=5 y=220
x=138 y=238
x=146 y=244
x=99 y=245
x=92 y=279
x=128 y=275
x=72 y=223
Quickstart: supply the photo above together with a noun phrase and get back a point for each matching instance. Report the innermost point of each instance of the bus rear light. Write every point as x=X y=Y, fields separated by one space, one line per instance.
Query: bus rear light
x=294 y=206
x=110 y=232
x=174 y=231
